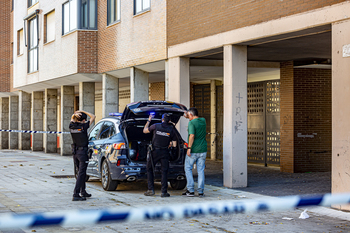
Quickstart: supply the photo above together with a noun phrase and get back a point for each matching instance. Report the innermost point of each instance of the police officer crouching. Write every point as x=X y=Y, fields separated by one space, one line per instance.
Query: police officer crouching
x=79 y=132
x=163 y=135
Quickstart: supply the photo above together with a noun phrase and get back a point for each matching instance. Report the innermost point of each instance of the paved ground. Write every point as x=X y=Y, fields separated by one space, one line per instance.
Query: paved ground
x=30 y=182
x=270 y=181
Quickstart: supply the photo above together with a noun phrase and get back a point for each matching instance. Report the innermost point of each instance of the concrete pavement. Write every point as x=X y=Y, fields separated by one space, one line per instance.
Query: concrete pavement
x=37 y=182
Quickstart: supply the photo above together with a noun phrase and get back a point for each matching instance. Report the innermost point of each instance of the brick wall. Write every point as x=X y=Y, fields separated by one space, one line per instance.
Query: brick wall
x=157 y=91
x=312 y=115
x=87 y=51
x=192 y=19
x=5 y=45
x=134 y=40
x=306 y=109
x=287 y=117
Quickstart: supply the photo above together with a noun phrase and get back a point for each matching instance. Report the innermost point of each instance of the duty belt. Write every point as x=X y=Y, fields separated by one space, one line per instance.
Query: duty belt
x=160 y=148
x=81 y=147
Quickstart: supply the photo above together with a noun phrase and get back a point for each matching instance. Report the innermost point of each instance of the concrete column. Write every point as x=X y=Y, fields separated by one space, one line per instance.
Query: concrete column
x=4 y=122
x=340 y=109
x=24 y=120
x=235 y=116
x=139 y=87
x=50 y=140
x=110 y=94
x=67 y=109
x=213 y=119
x=179 y=87
x=37 y=120
x=13 y=121
x=87 y=97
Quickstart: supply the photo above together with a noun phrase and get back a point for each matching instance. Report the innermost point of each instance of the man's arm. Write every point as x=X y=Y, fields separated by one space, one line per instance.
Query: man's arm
x=92 y=116
x=190 y=143
x=146 y=128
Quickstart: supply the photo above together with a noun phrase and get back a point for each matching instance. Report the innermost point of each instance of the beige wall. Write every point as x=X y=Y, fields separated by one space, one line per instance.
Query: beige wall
x=340 y=110
x=53 y=56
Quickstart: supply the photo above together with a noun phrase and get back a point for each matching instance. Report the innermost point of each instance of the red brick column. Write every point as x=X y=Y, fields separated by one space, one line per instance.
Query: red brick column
x=287 y=117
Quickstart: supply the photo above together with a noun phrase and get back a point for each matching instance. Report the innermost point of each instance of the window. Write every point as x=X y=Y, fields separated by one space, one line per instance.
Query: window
x=93 y=134
x=20 y=42
x=49 y=27
x=32 y=2
x=113 y=11
x=141 y=6
x=88 y=14
x=69 y=16
x=106 y=130
x=33 y=45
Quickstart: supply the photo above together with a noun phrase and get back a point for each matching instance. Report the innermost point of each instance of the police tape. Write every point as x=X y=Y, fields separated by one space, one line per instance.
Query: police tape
x=176 y=211
x=31 y=131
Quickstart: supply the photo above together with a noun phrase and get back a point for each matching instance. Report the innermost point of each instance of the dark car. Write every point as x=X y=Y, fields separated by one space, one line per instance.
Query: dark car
x=118 y=146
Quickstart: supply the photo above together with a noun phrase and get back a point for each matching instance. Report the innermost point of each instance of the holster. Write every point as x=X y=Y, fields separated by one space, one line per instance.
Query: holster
x=74 y=148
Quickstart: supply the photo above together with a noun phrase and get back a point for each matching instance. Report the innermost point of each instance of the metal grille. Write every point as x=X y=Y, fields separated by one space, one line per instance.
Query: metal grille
x=273 y=97
x=124 y=94
x=256 y=122
x=219 y=121
x=273 y=126
x=273 y=147
x=201 y=99
x=255 y=98
x=256 y=146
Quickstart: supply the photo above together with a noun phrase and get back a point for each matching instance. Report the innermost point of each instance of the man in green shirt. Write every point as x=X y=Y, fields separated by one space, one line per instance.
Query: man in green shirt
x=196 y=151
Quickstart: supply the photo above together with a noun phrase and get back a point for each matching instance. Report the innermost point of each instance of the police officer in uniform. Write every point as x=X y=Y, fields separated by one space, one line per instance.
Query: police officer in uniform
x=163 y=136
x=79 y=132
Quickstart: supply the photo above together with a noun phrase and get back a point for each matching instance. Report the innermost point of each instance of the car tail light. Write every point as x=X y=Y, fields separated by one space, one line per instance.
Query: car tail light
x=186 y=145
x=118 y=163
x=119 y=146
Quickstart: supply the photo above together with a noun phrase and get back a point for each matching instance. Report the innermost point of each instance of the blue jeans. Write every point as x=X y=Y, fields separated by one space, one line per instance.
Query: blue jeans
x=199 y=159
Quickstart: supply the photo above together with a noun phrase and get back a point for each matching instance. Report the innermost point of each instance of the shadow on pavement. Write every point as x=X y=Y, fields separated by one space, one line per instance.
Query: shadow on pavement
x=270 y=181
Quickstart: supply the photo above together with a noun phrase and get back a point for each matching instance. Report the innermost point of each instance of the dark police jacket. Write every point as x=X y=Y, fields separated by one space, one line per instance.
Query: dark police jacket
x=163 y=134
x=79 y=133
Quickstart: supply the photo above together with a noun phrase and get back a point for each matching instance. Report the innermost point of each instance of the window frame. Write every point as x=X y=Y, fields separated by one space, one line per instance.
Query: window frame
x=45 y=27
x=32 y=3
x=69 y=17
x=142 y=9
x=36 y=47
x=97 y=136
x=118 y=14
x=81 y=15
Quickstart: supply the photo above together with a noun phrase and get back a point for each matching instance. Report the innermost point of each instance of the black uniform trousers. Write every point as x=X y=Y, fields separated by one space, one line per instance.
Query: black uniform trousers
x=81 y=162
x=162 y=156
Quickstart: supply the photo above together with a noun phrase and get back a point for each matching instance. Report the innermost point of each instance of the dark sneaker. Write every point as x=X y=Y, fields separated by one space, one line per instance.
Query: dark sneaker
x=165 y=195
x=149 y=193
x=200 y=194
x=79 y=198
x=86 y=195
x=188 y=193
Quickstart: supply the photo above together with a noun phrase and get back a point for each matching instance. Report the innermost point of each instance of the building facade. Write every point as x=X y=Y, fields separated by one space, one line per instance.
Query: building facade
x=270 y=77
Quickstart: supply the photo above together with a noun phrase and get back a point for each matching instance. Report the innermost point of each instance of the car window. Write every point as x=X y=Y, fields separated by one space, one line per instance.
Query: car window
x=106 y=129
x=94 y=132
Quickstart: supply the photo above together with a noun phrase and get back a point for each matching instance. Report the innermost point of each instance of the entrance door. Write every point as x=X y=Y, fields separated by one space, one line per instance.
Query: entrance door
x=263 y=122
x=201 y=101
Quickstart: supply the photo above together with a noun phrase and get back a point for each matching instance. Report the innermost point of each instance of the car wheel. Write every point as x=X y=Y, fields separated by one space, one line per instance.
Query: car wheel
x=107 y=183
x=178 y=184
x=76 y=171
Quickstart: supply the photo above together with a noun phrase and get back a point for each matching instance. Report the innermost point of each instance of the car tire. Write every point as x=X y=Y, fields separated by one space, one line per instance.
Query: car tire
x=76 y=170
x=107 y=183
x=178 y=184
